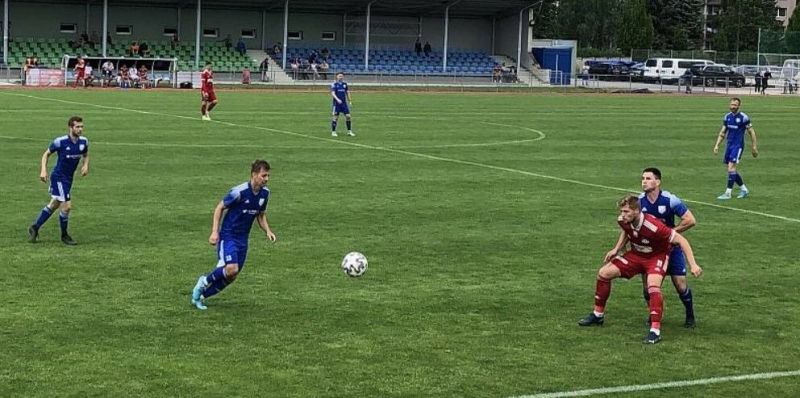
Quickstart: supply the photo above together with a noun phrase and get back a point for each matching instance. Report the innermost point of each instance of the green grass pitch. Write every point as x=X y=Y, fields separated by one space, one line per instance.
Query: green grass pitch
x=483 y=240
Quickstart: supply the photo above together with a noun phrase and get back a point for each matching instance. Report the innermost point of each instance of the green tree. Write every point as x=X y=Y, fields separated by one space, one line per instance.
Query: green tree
x=591 y=22
x=635 y=29
x=739 y=22
x=793 y=33
x=677 y=24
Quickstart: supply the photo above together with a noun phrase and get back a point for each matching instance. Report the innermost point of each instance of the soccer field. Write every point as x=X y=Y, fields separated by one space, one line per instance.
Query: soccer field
x=484 y=217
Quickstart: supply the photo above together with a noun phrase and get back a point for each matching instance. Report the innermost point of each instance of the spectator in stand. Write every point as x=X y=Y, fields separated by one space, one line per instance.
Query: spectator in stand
x=246 y=75
x=133 y=49
x=313 y=67
x=295 y=68
x=312 y=56
x=108 y=72
x=418 y=47
x=264 y=68
x=144 y=49
x=228 y=42
x=124 y=77
x=133 y=73
x=144 y=80
x=427 y=48
x=325 y=53
x=84 y=38
x=497 y=74
x=94 y=39
x=277 y=50
x=88 y=78
x=175 y=41
x=323 y=69
x=241 y=48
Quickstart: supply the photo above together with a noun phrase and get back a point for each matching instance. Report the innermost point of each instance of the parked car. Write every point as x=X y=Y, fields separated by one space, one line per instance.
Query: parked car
x=669 y=69
x=610 y=70
x=715 y=75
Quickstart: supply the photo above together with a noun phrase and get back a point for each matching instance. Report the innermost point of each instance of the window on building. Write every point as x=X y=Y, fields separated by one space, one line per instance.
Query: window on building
x=124 y=30
x=68 y=28
x=210 y=32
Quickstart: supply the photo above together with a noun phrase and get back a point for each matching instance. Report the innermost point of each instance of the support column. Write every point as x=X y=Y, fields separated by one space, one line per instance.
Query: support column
x=105 y=28
x=366 y=44
x=285 y=31
x=198 y=33
x=447 y=33
x=5 y=33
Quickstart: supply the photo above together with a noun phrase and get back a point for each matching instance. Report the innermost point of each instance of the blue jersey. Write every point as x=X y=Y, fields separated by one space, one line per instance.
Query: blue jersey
x=340 y=89
x=69 y=155
x=665 y=208
x=736 y=124
x=243 y=207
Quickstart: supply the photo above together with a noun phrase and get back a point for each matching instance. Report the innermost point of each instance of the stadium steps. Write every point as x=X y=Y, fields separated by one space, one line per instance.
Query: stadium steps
x=534 y=77
x=277 y=73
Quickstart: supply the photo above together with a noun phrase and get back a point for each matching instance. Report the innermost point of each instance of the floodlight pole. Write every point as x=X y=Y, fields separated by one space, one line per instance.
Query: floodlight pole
x=285 y=32
x=366 y=42
x=446 y=32
x=197 y=35
x=86 y=28
x=5 y=33
x=105 y=28
x=519 y=37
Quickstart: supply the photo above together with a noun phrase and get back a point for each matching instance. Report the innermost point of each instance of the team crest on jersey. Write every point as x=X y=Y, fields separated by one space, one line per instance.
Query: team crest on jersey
x=662 y=209
x=68 y=148
x=738 y=120
x=261 y=202
x=81 y=147
x=645 y=241
x=247 y=201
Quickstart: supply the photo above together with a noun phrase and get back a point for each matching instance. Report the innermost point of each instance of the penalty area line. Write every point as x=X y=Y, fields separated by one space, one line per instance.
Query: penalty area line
x=665 y=385
x=410 y=153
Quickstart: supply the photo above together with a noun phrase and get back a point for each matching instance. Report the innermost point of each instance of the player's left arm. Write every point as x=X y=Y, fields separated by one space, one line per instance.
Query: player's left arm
x=680 y=208
x=753 y=140
x=85 y=167
x=264 y=224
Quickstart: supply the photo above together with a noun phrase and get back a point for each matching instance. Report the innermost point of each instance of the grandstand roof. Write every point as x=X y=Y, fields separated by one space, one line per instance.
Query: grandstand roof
x=463 y=8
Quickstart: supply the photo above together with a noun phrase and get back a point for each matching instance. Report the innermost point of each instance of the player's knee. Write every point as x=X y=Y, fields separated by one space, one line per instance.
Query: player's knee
x=347 y=117
x=231 y=271
x=607 y=272
x=653 y=289
x=66 y=208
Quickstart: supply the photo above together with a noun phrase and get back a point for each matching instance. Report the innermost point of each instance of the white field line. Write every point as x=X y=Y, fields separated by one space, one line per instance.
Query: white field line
x=659 y=386
x=409 y=153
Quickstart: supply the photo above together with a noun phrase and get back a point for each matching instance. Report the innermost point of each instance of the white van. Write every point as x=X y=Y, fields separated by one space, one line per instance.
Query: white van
x=669 y=69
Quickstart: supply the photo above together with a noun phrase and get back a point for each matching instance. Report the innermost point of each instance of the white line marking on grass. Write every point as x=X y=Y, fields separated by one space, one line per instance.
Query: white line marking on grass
x=481 y=144
x=658 y=386
x=401 y=151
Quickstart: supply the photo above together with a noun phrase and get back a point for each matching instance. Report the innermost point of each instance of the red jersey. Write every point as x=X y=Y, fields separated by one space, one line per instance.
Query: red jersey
x=649 y=237
x=80 y=69
x=207 y=81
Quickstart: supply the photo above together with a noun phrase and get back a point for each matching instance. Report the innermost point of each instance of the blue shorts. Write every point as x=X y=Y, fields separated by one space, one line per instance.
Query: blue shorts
x=677 y=262
x=59 y=189
x=733 y=154
x=341 y=108
x=231 y=252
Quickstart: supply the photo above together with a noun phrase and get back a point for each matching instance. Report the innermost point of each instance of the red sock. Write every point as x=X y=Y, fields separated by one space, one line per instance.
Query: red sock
x=601 y=293
x=656 y=306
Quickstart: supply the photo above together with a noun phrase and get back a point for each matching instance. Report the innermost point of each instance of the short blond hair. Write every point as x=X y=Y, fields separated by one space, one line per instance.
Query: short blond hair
x=629 y=200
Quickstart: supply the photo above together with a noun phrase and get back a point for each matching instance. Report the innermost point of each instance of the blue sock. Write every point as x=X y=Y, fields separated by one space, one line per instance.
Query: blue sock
x=333 y=125
x=43 y=216
x=349 y=125
x=63 y=220
x=686 y=298
x=215 y=275
x=215 y=288
x=738 y=179
x=731 y=179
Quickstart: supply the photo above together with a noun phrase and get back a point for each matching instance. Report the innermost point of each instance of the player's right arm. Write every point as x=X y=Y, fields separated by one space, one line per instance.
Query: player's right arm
x=43 y=169
x=721 y=136
x=215 y=221
x=687 y=250
x=621 y=242
x=335 y=98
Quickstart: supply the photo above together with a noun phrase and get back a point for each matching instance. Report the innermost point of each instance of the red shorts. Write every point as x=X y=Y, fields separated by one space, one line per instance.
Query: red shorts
x=632 y=263
x=208 y=96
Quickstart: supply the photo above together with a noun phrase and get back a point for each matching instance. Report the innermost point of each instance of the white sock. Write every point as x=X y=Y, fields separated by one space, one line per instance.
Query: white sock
x=656 y=331
x=598 y=314
x=728 y=191
x=743 y=187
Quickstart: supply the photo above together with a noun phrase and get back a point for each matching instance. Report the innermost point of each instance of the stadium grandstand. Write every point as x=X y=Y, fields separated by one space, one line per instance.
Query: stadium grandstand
x=468 y=39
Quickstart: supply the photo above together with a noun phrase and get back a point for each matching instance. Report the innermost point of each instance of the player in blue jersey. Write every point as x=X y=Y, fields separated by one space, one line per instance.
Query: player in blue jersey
x=734 y=125
x=666 y=206
x=244 y=203
x=70 y=149
x=341 y=99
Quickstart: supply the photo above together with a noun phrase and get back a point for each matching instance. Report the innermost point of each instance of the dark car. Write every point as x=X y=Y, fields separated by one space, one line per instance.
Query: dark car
x=714 y=75
x=610 y=70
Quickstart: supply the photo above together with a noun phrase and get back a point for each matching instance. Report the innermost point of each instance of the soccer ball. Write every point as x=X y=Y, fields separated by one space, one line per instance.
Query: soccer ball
x=354 y=264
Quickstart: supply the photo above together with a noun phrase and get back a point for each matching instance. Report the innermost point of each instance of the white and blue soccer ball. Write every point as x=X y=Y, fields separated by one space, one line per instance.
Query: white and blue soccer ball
x=354 y=264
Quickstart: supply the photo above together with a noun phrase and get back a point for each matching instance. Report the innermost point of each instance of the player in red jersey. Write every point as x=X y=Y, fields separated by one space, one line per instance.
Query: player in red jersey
x=651 y=242
x=80 y=73
x=209 y=99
